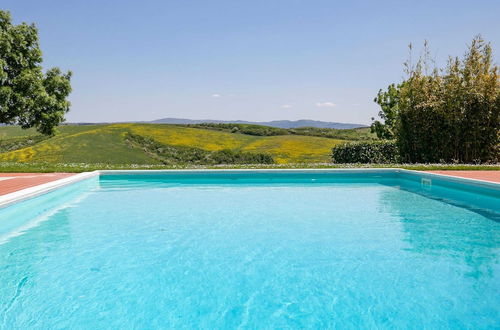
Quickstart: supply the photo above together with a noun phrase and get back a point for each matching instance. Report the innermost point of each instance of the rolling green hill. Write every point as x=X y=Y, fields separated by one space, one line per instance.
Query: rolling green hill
x=110 y=143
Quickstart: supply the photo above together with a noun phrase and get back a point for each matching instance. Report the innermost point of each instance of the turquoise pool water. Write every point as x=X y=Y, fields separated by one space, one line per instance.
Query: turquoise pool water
x=253 y=250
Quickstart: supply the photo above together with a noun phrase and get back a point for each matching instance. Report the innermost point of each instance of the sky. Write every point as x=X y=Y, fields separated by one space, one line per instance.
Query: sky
x=253 y=60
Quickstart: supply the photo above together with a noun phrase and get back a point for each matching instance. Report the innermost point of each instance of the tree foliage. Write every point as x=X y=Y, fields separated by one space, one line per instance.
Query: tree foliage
x=260 y=130
x=447 y=115
x=389 y=102
x=28 y=96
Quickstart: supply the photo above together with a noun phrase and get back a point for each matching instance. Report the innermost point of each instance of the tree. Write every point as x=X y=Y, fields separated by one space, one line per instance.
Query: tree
x=388 y=101
x=28 y=97
x=447 y=115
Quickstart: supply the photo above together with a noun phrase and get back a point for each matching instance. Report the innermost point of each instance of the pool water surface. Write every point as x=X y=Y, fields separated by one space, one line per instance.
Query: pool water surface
x=252 y=250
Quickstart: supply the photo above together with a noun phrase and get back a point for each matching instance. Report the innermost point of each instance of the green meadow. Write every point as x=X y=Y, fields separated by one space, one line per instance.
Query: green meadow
x=111 y=144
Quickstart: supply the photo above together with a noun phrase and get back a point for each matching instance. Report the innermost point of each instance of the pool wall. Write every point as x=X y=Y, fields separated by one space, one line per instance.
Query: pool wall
x=28 y=211
x=428 y=182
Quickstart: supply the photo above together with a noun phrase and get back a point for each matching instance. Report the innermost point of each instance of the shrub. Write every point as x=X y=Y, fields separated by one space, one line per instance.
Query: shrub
x=227 y=156
x=448 y=115
x=379 y=152
x=352 y=134
x=249 y=129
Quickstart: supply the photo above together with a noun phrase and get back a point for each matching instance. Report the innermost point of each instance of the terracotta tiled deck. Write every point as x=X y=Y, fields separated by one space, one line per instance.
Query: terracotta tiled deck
x=10 y=182
x=493 y=176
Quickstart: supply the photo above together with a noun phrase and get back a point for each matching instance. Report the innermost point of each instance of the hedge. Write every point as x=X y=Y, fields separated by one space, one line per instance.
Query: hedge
x=380 y=152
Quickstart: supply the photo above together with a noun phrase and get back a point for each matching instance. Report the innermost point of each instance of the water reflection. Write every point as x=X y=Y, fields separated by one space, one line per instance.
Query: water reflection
x=445 y=230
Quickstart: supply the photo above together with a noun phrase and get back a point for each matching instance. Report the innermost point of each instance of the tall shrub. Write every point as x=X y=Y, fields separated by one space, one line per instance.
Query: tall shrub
x=380 y=152
x=447 y=115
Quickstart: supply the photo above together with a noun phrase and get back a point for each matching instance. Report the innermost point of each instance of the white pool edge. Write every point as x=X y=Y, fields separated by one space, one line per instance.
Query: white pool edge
x=44 y=188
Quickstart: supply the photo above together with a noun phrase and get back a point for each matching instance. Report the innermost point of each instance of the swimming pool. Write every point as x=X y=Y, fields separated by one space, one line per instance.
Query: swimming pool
x=253 y=249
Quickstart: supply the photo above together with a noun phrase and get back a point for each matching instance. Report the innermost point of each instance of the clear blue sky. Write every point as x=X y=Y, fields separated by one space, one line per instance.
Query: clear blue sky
x=251 y=60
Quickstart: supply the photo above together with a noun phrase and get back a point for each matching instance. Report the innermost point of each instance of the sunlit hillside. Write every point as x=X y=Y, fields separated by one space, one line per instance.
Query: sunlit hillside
x=109 y=144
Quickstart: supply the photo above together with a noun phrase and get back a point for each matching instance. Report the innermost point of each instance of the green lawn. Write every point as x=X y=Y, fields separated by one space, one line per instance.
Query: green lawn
x=106 y=144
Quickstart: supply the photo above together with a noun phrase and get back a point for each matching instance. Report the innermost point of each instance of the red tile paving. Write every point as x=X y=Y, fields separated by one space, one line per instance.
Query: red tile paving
x=10 y=182
x=493 y=176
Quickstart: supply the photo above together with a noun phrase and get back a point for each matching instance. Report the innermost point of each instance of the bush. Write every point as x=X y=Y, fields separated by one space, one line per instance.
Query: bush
x=366 y=152
x=249 y=129
x=445 y=115
x=351 y=134
x=227 y=156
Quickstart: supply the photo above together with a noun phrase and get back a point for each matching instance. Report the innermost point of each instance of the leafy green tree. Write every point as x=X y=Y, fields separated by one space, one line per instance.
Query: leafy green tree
x=28 y=97
x=389 y=102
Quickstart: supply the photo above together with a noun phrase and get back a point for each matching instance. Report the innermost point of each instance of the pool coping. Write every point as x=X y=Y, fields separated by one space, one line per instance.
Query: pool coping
x=34 y=191
x=477 y=182
x=27 y=193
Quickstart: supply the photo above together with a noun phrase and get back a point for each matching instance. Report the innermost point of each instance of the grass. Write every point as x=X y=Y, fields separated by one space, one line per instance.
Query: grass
x=9 y=167
x=283 y=148
x=177 y=155
x=20 y=142
x=80 y=148
x=8 y=132
x=294 y=149
x=105 y=144
x=78 y=144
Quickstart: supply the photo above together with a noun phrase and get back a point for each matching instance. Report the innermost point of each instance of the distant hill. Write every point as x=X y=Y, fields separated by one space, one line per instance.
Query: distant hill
x=109 y=144
x=274 y=123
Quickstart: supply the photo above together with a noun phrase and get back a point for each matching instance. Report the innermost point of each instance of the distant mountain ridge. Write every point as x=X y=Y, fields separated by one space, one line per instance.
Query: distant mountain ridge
x=274 y=123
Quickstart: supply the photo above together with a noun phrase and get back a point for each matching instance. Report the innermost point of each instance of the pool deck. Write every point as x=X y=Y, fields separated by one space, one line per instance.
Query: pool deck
x=12 y=182
x=492 y=176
